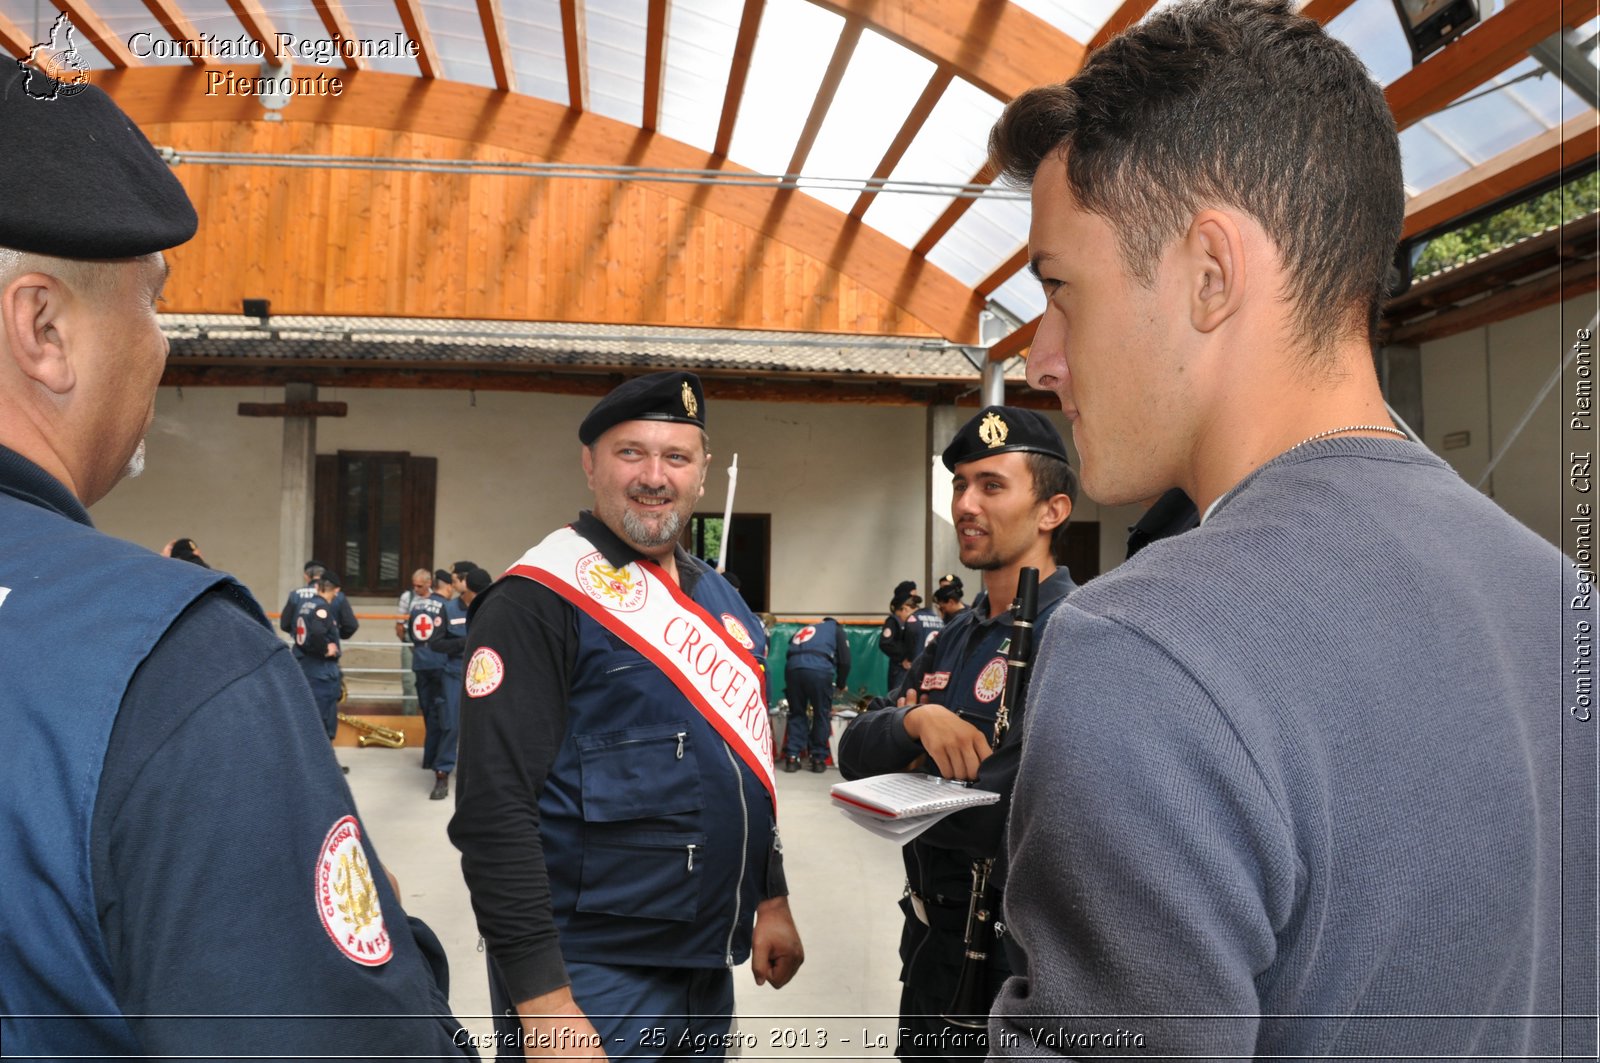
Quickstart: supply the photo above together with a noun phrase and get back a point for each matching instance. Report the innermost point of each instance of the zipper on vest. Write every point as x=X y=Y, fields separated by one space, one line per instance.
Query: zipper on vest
x=744 y=812
x=681 y=736
x=692 y=847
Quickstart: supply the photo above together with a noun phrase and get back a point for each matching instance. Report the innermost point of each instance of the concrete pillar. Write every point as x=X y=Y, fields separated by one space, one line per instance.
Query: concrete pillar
x=943 y=421
x=299 y=493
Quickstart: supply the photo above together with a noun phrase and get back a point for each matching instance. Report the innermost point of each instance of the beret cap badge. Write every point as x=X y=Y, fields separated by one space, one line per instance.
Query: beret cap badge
x=689 y=403
x=993 y=430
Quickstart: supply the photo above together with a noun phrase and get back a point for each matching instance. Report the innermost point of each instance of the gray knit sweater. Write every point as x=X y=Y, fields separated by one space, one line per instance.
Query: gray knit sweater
x=1297 y=769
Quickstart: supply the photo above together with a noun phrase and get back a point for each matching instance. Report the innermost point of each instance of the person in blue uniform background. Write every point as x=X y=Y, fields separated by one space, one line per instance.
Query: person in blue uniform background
x=817 y=662
x=429 y=625
x=316 y=649
x=342 y=612
x=185 y=872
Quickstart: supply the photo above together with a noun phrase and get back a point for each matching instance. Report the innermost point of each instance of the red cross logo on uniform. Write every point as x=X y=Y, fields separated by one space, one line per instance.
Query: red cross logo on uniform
x=422 y=627
x=300 y=631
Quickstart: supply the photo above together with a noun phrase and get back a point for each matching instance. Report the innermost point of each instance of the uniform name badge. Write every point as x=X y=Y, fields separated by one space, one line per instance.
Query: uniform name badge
x=702 y=656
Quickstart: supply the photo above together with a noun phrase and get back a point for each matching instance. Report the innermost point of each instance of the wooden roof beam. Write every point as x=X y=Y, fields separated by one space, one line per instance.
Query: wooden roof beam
x=1128 y=13
x=1324 y=11
x=1484 y=51
x=999 y=47
x=575 y=46
x=173 y=20
x=744 y=47
x=655 y=62
x=1003 y=272
x=1014 y=344
x=98 y=33
x=909 y=129
x=12 y=39
x=952 y=214
x=1530 y=162
x=842 y=51
x=259 y=27
x=416 y=27
x=338 y=26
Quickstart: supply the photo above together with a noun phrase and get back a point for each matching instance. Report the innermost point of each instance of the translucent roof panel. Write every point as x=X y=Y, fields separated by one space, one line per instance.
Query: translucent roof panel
x=381 y=22
x=129 y=19
x=792 y=51
x=312 y=47
x=1372 y=30
x=458 y=37
x=615 y=37
x=985 y=236
x=951 y=148
x=1513 y=107
x=1079 y=19
x=1021 y=295
x=700 y=41
x=533 y=29
x=875 y=96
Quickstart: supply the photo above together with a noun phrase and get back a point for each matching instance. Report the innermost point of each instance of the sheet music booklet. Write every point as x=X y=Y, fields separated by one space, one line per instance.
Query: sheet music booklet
x=902 y=805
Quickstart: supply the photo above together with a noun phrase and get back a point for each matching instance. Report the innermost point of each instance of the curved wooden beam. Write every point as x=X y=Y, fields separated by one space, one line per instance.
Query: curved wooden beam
x=999 y=47
x=545 y=130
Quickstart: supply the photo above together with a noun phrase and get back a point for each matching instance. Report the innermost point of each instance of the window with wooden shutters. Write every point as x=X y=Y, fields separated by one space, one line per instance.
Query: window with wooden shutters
x=373 y=520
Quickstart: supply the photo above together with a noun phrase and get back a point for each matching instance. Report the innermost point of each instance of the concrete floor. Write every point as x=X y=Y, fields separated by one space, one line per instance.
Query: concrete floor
x=843 y=883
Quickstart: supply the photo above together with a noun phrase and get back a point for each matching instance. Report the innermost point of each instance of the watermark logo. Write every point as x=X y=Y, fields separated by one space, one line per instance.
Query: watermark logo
x=55 y=69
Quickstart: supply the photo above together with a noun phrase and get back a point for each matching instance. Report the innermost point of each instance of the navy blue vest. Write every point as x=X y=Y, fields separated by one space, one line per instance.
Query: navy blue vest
x=421 y=631
x=90 y=608
x=657 y=833
x=814 y=652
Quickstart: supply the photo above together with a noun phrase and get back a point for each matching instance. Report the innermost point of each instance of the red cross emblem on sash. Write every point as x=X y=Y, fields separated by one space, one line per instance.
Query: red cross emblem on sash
x=422 y=627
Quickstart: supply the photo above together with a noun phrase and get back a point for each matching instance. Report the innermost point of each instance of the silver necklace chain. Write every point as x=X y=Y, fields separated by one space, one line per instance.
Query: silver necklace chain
x=1349 y=428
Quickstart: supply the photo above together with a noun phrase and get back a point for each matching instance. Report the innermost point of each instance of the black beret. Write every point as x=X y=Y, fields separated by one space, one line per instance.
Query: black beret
x=442 y=575
x=330 y=578
x=998 y=429
x=904 y=588
x=951 y=593
x=309 y=565
x=78 y=179
x=478 y=580
x=672 y=396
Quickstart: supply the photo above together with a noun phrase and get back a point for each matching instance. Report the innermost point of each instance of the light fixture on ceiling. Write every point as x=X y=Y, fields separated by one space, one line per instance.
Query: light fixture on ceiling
x=1432 y=24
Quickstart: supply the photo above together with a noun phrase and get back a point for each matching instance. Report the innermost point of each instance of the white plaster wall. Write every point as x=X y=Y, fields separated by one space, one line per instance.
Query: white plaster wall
x=210 y=475
x=1484 y=381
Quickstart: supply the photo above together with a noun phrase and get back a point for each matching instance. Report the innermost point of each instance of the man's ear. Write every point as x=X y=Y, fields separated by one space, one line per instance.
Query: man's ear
x=1057 y=508
x=586 y=454
x=31 y=309
x=1214 y=258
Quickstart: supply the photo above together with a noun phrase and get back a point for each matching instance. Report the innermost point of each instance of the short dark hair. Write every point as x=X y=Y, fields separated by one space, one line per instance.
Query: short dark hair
x=1051 y=477
x=1237 y=103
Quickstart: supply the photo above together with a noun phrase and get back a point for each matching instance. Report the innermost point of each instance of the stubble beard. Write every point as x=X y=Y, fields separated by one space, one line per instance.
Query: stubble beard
x=640 y=532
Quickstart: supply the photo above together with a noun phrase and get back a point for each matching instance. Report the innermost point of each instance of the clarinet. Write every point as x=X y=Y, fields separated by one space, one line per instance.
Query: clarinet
x=970 y=1005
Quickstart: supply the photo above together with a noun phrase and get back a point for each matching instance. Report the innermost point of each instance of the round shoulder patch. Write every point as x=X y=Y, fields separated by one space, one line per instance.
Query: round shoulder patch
x=322 y=614
x=347 y=898
x=803 y=636
x=991 y=681
x=737 y=630
x=484 y=672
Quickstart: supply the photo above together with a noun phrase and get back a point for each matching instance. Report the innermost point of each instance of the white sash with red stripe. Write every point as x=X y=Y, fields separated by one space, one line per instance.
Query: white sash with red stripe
x=648 y=611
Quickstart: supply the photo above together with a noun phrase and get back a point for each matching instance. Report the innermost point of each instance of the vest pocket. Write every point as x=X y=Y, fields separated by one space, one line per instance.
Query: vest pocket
x=639 y=773
x=642 y=874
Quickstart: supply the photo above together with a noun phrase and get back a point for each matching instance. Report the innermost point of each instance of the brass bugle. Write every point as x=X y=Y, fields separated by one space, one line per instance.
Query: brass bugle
x=373 y=734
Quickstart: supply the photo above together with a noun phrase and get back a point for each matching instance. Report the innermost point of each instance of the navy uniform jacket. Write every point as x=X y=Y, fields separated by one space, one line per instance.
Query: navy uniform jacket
x=342 y=612
x=921 y=628
x=964 y=670
x=427 y=626
x=820 y=647
x=178 y=873
x=315 y=629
